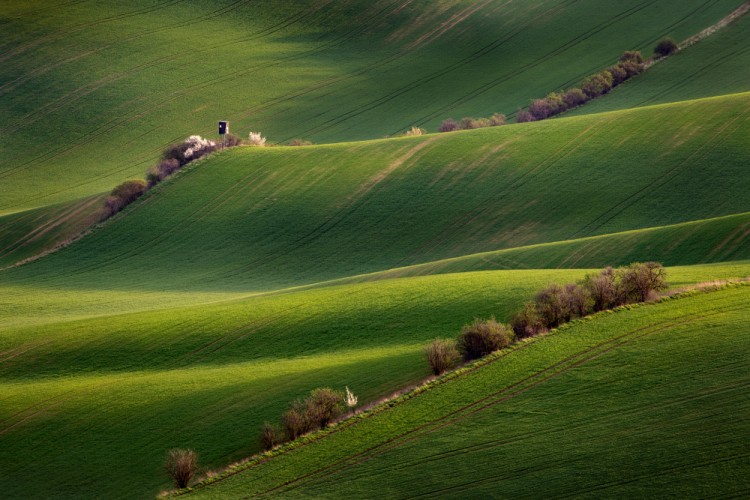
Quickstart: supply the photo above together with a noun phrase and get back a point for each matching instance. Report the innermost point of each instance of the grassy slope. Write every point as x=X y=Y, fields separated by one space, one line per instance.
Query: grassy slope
x=632 y=404
x=28 y=234
x=718 y=65
x=255 y=220
x=712 y=240
x=90 y=92
x=76 y=393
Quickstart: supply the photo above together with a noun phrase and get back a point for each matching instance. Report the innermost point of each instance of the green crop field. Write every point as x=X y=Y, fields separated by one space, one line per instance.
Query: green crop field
x=86 y=391
x=90 y=92
x=625 y=405
x=255 y=219
x=257 y=274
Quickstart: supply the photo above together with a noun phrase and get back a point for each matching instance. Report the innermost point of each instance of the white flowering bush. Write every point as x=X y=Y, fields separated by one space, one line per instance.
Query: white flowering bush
x=255 y=139
x=197 y=146
x=350 y=399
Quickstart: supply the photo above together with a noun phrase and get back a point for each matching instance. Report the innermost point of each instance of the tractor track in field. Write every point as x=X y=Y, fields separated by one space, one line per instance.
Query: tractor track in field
x=560 y=368
x=571 y=425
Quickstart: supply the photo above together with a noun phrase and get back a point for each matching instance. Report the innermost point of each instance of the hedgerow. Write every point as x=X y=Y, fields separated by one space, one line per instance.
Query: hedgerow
x=630 y=64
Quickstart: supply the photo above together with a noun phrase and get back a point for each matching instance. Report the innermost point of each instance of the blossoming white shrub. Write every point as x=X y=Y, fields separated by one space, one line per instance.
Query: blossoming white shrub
x=255 y=139
x=196 y=145
x=350 y=399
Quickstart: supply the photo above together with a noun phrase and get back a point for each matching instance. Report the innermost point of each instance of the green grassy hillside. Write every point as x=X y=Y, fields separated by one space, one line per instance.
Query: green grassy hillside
x=634 y=404
x=90 y=92
x=254 y=219
x=713 y=240
x=717 y=65
x=80 y=396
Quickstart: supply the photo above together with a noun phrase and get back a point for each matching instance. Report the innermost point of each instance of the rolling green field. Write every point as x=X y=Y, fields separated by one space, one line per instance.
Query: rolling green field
x=257 y=274
x=631 y=404
x=134 y=385
x=258 y=219
x=91 y=92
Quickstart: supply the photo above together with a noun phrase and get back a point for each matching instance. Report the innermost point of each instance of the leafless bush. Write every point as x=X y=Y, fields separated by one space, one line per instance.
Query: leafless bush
x=523 y=116
x=483 y=337
x=553 y=305
x=469 y=123
x=641 y=280
x=666 y=47
x=579 y=300
x=603 y=288
x=124 y=194
x=231 y=140
x=300 y=142
x=324 y=405
x=448 y=125
x=574 y=97
x=497 y=120
x=181 y=466
x=631 y=56
x=159 y=172
x=539 y=109
x=270 y=436
x=442 y=355
x=598 y=84
x=619 y=74
x=296 y=420
x=632 y=68
x=528 y=323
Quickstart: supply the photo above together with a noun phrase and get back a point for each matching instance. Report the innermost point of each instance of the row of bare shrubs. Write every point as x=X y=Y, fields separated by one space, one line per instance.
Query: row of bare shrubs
x=322 y=407
x=469 y=123
x=631 y=63
x=551 y=307
x=319 y=409
x=174 y=158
